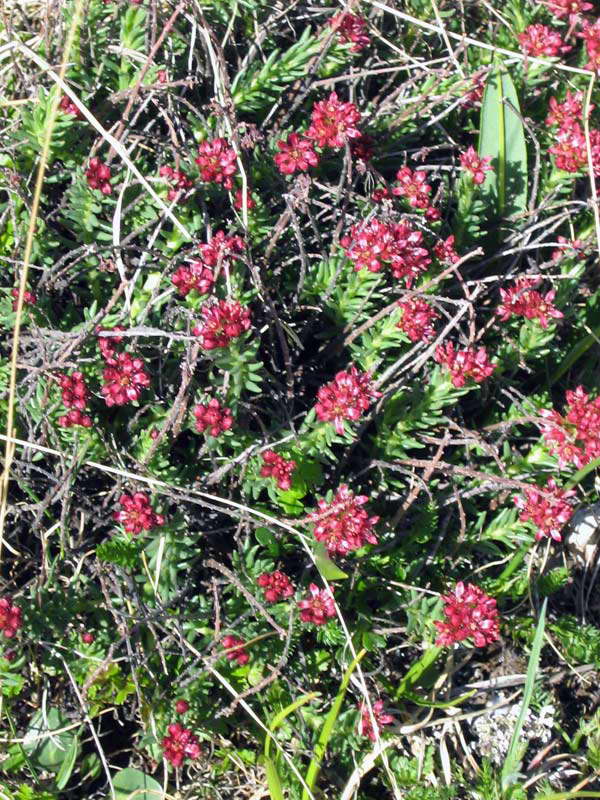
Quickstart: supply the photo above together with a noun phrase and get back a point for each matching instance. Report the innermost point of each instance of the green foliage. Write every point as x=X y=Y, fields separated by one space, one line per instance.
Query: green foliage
x=579 y=642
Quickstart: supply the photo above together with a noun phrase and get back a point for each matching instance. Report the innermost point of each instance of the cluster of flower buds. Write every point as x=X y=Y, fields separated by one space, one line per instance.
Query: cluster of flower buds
x=276 y=586
x=11 y=617
x=124 y=380
x=347 y=396
x=343 y=525
x=29 y=299
x=417 y=319
x=469 y=614
x=178 y=182
x=217 y=162
x=179 y=744
x=235 y=650
x=69 y=107
x=75 y=396
x=107 y=343
x=351 y=28
x=222 y=321
x=98 y=176
x=275 y=466
x=137 y=514
x=522 y=300
x=547 y=508
x=444 y=251
x=212 y=417
x=464 y=365
x=542 y=41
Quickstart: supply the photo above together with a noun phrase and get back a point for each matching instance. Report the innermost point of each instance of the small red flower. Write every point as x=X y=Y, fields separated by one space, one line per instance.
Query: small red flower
x=69 y=107
x=75 y=393
x=540 y=40
x=575 y=437
x=217 y=162
x=195 y=277
x=343 y=525
x=318 y=607
x=88 y=638
x=29 y=299
x=591 y=35
x=465 y=364
x=413 y=186
x=276 y=586
x=10 y=617
x=73 y=418
x=566 y=113
x=548 y=508
x=444 y=251
x=179 y=182
x=381 y=195
x=333 y=123
x=182 y=706
x=238 y=200
x=470 y=614
x=296 y=154
x=137 y=514
x=107 y=343
x=222 y=321
x=213 y=418
x=570 y=149
x=236 y=651
x=475 y=165
x=365 y=726
x=570 y=248
x=221 y=249
x=275 y=466
x=124 y=380
x=351 y=28
x=98 y=176
x=523 y=301
x=179 y=744
x=568 y=8
x=416 y=320
x=347 y=396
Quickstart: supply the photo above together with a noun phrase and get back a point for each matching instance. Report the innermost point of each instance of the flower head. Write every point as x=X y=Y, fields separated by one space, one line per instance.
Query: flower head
x=10 y=617
x=343 y=525
x=417 y=319
x=221 y=249
x=179 y=744
x=137 y=514
x=217 y=162
x=444 y=251
x=107 y=343
x=568 y=8
x=196 y=277
x=465 y=364
x=570 y=248
x=295 y=154
x=523 y=301
x=238 y=200
x=333 y=123
x=347 y=396
x=547 y=508
x=29 y=299
x=275 y=466
x=564 y=114
x=178 y=181
x=570 y=149
x=475 y=165
x=540 y=40
x=591 y=35
x=413 y=186
x=318 y=607
x=276 y=586
x=236 y=651
x=575 y=436
x=351 y=28
x=470 y=614
x=69 y=107
x=75 y=393
x=365 y=725
x=98 y=176
x=212 y=417
x=74 y=418
x=222 y=321
x=124 y=380
x=181 y=706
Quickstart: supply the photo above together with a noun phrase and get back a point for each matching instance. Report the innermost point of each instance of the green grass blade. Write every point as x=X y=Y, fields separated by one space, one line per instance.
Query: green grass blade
x=512 y=762
x=273 y=780
x=285 y=712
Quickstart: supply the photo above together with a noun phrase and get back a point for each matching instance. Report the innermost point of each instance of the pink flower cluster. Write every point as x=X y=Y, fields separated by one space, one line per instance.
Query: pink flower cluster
x=276 y=586
x=222 y=321
x=137 y=514
x=365 y=725
x=568 y=8
x=275 y=466
x=575 y=437
x=235 y=650
x=591 y=35
x=522 y=300
x=464 y=365
x=540 y=40
x=444 y=251
x=217 y=162
x=347 y=396
x=570 y=248
x=213 y=417
x=375 y=244
x=75 y=396
x=470 y=614
x=69 y=107
x=570 y=149
x=548 y=508
x=179 y=744
x=182 y=706
x=475 y=165
x=195 y=277
x=11 y=617
x=124 y=379
x=178 y=181
x=318 y=607
x=343 y=525
x=107 y=343
x=296 y=154
x=29 y=299
x=417 y=319
x=198 y=276
x=221 y=249
x=98 y=176
x=413 y=185
x=566 y=113
x=351 y=28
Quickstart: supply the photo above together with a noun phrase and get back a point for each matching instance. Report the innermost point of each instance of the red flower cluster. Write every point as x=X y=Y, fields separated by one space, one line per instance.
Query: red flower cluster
x=213 y=417
x=179 y=182
x=88 y=638
x=195 y=277
x=381 y=195
x=566 y=113
x=365 y=725
x=591 y=36
x=220 y=249
x=477 y=166
x=570 y=248
x=222 y=321
x=182 y=707
x=137 y=514
x=235 y=648
x=540 y=40
x=98 y=176
x=29 y=299
x=522 y=300
x=296 y=154
x=179 y=744
x=444 y=251
x=470 y=613
x=343 y=525
x=333 y=123
x=107 y=343
x=276 y=586
x=75 y=396
x=318 y=607
x=238 y=200
x=351 y=28
x=465 y=364
x=69 y=107
x=413 y=185
x=547 y=508
x=374 y=244
x=575 y=437
x=275 y=466
x=416 y=320
x=568 y=8
x=75 y=418
x=124 y=380
x=10 y=617
x=345 y=397
x=217 y=162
